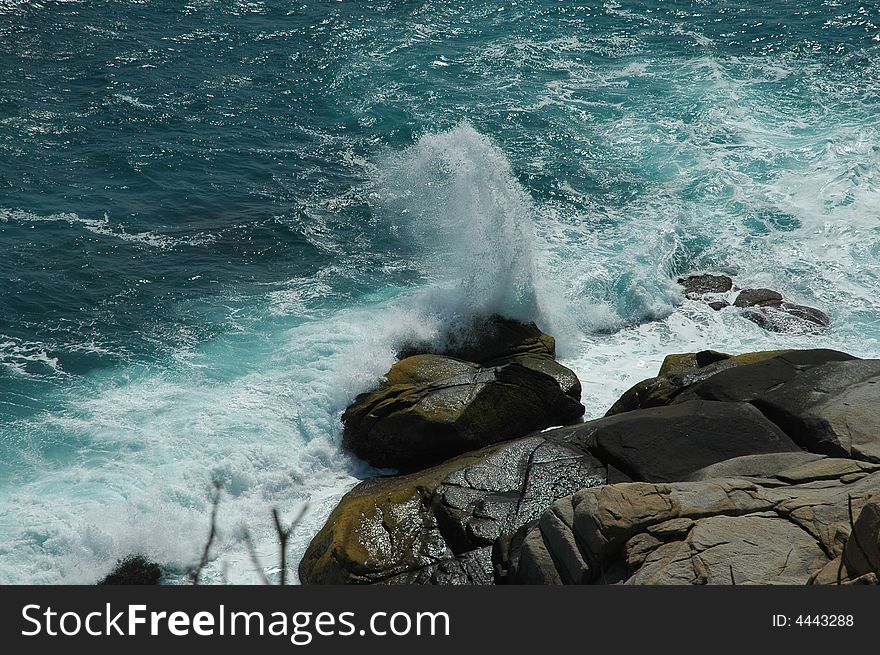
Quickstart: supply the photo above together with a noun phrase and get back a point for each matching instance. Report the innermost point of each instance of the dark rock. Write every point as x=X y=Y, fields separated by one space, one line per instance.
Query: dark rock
x=861 y=555
x=679 y=372
x=788 y=317
x=671 y=443
x=495 y=341
x=833 y=409
x=746 y=382
x=718 y=305
x=439 y=526
x=421 y=417
x=758 y=298
x=716 y=531
x=807 y=314
x=473 y=567
x=698 y=285
x=133 y=570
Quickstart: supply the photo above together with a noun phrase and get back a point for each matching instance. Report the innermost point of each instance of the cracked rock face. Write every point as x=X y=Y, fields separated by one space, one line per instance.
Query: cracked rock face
x=438 y=526
x=764 y=530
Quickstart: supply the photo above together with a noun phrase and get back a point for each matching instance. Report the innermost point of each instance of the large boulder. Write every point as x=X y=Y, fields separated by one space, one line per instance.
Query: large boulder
x=745 y=383
x=784 y=529
x=416 y=419
x=755 y=466
x=438 y=526
x=498 y=381
x=826 y=401
x=663 y=444
x=860 y=560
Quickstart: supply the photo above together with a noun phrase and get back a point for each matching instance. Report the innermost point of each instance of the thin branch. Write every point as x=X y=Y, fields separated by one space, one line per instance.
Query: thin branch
x=196 y=573
x=284 y=536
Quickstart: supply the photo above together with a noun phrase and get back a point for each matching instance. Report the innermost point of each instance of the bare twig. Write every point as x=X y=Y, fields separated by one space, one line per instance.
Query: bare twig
x=284 y=536
x=196 y=573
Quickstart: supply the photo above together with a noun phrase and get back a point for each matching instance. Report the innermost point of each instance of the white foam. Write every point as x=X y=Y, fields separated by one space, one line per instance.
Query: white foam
x=105 y=227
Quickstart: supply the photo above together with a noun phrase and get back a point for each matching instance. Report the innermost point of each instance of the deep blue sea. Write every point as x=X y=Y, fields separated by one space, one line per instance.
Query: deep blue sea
x=220 y=218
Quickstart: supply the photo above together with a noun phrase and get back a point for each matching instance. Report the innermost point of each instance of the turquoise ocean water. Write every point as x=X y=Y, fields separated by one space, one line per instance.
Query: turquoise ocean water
x=220 y=218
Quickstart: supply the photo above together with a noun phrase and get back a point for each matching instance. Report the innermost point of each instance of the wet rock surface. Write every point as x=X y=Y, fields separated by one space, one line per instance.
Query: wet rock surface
x=438 y=526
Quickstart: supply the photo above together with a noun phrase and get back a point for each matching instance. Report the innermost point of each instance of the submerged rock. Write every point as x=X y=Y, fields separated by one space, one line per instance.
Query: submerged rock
x=435 y=406
x=716 y=531
x=787 y=317
x=438 y=526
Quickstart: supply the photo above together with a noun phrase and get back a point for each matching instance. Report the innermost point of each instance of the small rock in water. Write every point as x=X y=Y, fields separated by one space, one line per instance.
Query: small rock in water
x=698 y=285
x=758 y=298
x=718 y=305
x=809 y=314
x=787 y=317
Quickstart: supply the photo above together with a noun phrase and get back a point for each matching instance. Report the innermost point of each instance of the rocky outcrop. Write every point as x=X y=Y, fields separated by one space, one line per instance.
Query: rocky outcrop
x=723 y=469
x=758 y=298
x=831 y=409
x=783 y=529
x=824 y=400
x=438 y=526
x=497 y=341
x=765 y=307
x=859 y=563
x=434 y=406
